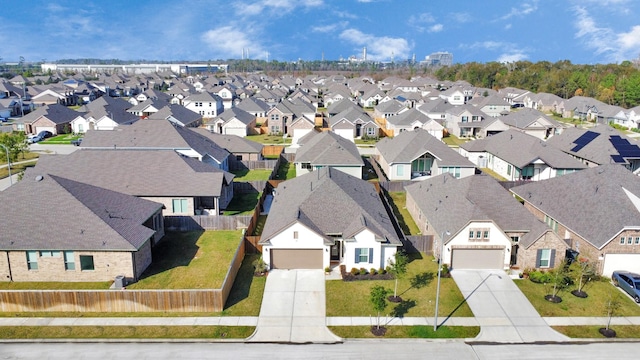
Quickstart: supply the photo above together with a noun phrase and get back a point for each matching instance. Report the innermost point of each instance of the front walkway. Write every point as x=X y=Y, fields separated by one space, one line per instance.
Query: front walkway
x=293 y=309
x=502 y=311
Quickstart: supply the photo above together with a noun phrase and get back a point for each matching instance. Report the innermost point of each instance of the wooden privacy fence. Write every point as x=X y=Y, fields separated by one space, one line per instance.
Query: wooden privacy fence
x=419 y=243
x=174 y=301
x=206 y=222
x=394 y=186
x=272 y=150
x=253 y=164
x=253 y=186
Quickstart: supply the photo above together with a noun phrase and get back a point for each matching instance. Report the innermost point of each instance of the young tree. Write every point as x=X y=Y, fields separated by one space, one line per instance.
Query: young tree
x=398 y=267
x=560 y=281
x=378 y=298
x=584 y=271
x=611 y=306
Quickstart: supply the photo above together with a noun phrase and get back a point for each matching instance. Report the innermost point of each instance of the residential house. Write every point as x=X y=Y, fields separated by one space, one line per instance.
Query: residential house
x=234 y=121
x=185 y=186
x=595 y=211
x=454 y=96
x=104 y=113
x=91 y=234
x=514 y=96
x=580 y=107
x=206 y=104
x=481 y=224
x=545 y=102
x=328 y=218
x=146 y=108
x=494 y=105
x=514 y=155
x=413 y=119
x=599 y=145
x=533 y=122
x=416 y=155
x=282 y=116
x=354 y=123
x=54 y=118
x=241 y=148
x=255 y=107
x=328 y=149
x=159 y=135
x=465 y=121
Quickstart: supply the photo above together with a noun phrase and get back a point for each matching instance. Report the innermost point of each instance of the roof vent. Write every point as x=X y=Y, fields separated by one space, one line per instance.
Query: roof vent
x=39 y=178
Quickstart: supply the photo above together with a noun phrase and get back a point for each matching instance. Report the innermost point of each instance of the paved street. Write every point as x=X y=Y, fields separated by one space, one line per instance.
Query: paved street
x=350 y=350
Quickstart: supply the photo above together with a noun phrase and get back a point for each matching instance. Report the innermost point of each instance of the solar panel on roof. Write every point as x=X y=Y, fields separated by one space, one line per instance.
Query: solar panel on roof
x=584 y=140
x=618 y=159
x=625 y=149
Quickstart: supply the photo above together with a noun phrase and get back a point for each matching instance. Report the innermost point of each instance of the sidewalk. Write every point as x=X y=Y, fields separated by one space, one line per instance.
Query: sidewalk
x=253 y=321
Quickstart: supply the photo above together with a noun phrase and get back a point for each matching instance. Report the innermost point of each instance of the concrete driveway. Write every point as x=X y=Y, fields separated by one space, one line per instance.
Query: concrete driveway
x=293 y=309
x=503 y=312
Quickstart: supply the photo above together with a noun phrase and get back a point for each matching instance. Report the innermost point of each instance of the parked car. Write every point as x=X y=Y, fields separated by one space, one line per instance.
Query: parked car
x=45 y=134
x=32 y=139
x=629 y=282
x=76 y=142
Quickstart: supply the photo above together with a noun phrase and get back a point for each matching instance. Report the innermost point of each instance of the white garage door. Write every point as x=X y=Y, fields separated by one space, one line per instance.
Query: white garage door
x=50 y=129
x=477 y=259
x=296 y=258
x=345 y=133
x=628 y=262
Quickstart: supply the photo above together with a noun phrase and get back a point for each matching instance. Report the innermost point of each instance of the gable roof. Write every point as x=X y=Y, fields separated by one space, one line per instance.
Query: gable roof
x=86 y=217
x=328 y=148
x=114 y=108
x=312 y=199
x=526 y=117
x=409 y=145
x=596 y=203
x=232 y=143
x=57 y=113
x=234 y=113
x=137 y=172
x=450 y=204
x=521 y=149
x=178 y=112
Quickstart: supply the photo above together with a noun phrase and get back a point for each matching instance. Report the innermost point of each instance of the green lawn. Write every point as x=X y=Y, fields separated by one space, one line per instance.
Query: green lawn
x=262 y=219
x=269 y=139
x=423 y=332
x=61 y=139
x=584 y=332
x=593 y=305
x=190 y=260
x=453 y=140
x=16 y=168
x=398 y=202
x=352 y=298
x=242 y=204
x=286 y=171
x=369 y=141
x=251 y=175
x=493 y=174
x=245 y=297
x=125 y=332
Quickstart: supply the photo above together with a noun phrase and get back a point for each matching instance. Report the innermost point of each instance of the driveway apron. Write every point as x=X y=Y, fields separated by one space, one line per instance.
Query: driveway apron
x=503 y=312
x=293 y=309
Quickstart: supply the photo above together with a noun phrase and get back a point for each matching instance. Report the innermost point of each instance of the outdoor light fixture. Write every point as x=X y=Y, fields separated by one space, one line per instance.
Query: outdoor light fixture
x=435 y=318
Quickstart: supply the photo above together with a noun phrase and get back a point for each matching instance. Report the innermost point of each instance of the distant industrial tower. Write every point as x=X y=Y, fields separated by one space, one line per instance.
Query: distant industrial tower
x=439 y=59
x=364 y=53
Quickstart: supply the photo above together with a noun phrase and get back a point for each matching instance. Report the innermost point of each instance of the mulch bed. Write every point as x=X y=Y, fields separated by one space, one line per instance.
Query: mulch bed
x=553 y=299
x=580 y=294
x=607 y=332
x=347 y=276
x=378 y=331
x=394 y=299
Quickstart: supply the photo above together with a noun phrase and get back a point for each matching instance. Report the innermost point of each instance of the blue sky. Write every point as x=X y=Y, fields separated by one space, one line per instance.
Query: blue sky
x=582 y=31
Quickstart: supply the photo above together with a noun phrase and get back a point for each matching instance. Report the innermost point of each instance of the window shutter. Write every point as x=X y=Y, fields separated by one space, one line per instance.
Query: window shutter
x=357 y=255
x=538 y=256
x=552 y=259
x=370 y=255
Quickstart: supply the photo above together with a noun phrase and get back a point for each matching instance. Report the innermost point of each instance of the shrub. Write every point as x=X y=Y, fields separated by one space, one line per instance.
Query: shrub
x=373 y=271
x=382 y=271
x=354 y=271
x=363 y=271
x=540 y=277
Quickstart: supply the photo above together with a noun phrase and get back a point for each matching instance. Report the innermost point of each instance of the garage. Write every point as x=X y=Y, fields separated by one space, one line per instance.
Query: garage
x=50 y=129
x=296 y=258
x=477 y=259
x=628 y=262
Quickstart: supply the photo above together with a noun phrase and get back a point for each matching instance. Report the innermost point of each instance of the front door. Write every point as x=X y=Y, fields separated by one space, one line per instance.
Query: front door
x=336 y=251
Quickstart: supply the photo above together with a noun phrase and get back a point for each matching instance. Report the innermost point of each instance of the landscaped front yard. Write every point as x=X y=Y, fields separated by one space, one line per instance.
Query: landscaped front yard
x=61 y=139
x=417 y=289
x=190 y=260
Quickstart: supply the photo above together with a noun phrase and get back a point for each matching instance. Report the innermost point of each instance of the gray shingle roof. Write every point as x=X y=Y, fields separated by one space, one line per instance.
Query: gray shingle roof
x=329 y=201
x=526 y=117
x=178 y=112
x=78 y=216
x=409 y=145
x=329 y=148
x=450 y=204
x=232 y=143
x=137 y=172
x=595 y=203
x=521 y=149
x=57 y=113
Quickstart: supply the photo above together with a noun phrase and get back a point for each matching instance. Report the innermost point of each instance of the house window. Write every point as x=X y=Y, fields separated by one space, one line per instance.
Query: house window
x=180 y=205
x=32 y=260
x=471 y=233
x=638 y=241
x=465 y=119
x=400 y=170
x=479 y=234
x=239 y=157
x=622 y=240
x=69 y=261
x=306 y=166
x=485 y=234
x=508 y=169
x=49 y=253
x=364 y=255
x=80 y=128
x=86 y=263
x=515 y=239
x=629 y=240
x=545 y=258
x=453 y=170
x=295 y=235
x=371 y=131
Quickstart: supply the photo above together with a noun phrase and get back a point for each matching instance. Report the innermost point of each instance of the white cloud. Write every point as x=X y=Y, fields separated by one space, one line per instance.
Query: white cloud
x=630 y=41
x=378 y=48
x=230 y=42
x=511 y=57
x=329 y=28
x=275 y=6
x=436 y=28
x=461 y=17
x=600 y=39
x=421 y=21
x=523 y=10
